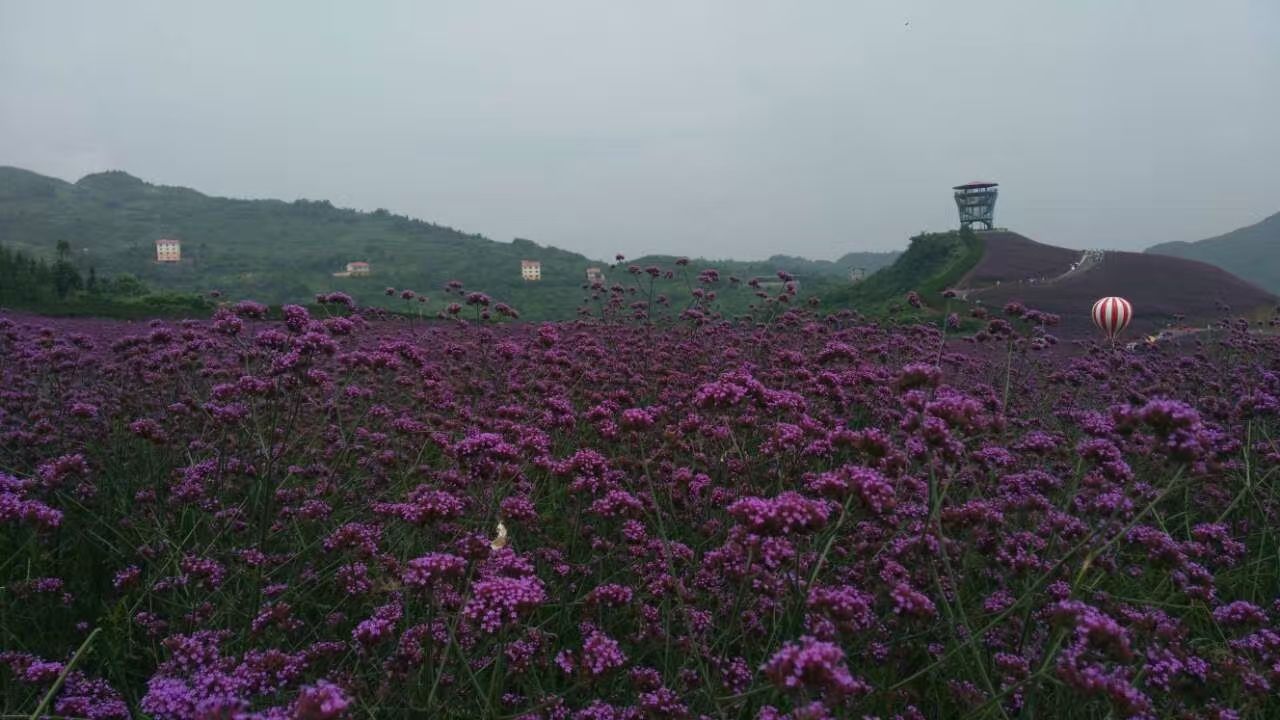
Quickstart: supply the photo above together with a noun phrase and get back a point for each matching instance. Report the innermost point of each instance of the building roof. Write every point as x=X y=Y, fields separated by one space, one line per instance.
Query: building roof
x=358 y=263
x=167 y=240
x=975 y=184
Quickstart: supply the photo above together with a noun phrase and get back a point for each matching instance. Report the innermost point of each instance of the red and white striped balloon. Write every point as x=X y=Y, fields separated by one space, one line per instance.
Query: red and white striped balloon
x=1112 y=315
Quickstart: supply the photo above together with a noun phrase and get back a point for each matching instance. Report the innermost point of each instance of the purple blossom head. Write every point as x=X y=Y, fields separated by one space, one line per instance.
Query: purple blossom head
x=813 y=665
x=787 y=513
x=17 y=508
x=501 y=602
x=433 y=569
x=250 y=309
x=322 y=701
x=917 y=375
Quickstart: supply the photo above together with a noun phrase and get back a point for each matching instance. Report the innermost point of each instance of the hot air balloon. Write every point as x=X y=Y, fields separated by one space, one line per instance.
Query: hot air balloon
x=1112 y=316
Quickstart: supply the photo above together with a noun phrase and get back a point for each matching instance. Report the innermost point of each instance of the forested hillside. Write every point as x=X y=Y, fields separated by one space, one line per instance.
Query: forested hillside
x=1251 y=252
x=275 y=251
x=59 y=288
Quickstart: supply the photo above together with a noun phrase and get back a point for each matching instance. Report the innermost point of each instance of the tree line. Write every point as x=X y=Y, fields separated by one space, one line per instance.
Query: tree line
x=36 y=284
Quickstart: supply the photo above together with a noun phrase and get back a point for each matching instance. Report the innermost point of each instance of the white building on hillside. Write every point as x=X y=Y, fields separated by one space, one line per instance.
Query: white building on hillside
x=531 y=269
x=168 y=250
x=357 y=268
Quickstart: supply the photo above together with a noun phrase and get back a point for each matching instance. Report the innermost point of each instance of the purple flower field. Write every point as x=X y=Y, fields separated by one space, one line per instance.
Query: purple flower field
x=815 y=517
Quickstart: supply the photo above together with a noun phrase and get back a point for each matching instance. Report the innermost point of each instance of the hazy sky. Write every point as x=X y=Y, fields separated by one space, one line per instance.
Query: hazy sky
x=725 y=129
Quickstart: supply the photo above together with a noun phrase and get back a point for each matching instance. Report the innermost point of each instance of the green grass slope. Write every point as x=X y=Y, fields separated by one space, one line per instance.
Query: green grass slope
x=932 y=263
x=1252 y=252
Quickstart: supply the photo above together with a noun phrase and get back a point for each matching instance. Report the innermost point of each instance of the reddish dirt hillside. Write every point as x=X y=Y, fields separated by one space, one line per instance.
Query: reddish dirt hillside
x=1159 y=286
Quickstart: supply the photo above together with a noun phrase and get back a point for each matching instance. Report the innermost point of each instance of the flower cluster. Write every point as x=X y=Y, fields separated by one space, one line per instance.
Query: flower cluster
x=322 y=513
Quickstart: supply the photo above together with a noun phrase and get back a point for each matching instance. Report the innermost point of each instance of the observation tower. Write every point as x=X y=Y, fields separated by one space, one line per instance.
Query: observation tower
x=976 y=202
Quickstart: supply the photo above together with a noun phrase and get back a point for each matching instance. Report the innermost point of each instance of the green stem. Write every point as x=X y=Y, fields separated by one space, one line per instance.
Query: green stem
x=62 y=676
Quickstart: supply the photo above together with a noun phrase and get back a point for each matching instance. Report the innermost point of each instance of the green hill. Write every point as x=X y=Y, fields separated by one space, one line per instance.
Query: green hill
x=275 y=251
x=1251 y=252
x=932 y=263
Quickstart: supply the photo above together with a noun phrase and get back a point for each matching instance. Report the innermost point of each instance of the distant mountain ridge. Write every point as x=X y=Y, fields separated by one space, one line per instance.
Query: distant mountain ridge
x=1252 y=252
x=277 y=251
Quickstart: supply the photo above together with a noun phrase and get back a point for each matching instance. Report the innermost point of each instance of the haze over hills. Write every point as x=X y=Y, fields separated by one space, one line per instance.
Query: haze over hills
x=1252 y=252
x=276 y=251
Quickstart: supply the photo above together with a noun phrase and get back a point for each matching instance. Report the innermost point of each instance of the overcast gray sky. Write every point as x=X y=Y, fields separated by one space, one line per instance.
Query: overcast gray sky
x=726 y=128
